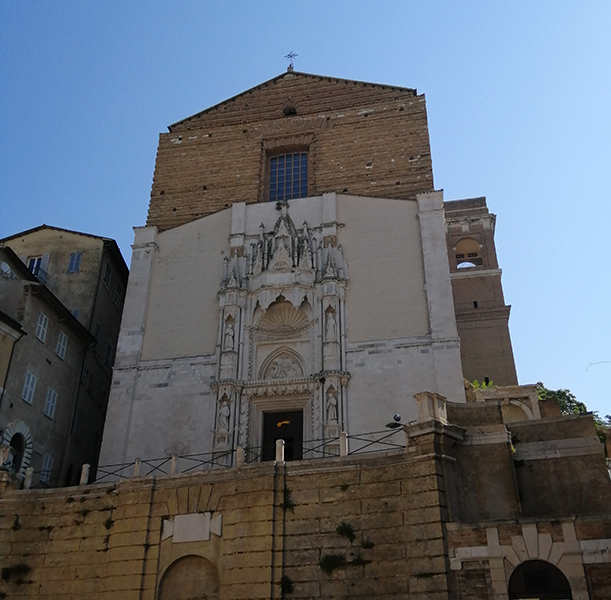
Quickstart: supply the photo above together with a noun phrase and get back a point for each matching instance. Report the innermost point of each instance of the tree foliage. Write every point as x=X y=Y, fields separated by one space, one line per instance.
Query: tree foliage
x=569 y=405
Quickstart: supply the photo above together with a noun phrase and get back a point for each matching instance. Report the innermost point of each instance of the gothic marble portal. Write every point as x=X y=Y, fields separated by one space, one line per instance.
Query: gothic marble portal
x=336 y=308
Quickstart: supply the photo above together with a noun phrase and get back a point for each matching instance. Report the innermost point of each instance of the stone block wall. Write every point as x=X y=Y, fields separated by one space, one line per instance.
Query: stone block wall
x=387 y=525
x=334 y=528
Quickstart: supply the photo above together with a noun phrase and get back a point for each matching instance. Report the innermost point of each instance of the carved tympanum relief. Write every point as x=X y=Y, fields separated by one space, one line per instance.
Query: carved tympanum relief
x=283 y=367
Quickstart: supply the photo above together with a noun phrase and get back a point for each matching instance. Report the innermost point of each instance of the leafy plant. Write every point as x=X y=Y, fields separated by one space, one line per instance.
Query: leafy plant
x=346 y=530
x=331 y=562
x=19 y=571
x=569 y=405
x=359 y=561
x=483 y=385
x=286 y=585
x=287 y=501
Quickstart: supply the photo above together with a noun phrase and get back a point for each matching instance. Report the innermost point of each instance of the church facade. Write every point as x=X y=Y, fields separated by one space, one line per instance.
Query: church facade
x=294 y=264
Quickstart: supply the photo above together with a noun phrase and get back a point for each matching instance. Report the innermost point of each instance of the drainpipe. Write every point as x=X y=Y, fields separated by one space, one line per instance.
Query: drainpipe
x=271 y=583
x=146 y=540
x=283 y=526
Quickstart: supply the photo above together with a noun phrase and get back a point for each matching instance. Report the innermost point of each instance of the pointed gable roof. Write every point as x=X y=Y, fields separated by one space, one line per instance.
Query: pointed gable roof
x=50 y=227
x=109 y=243
x=302 y=92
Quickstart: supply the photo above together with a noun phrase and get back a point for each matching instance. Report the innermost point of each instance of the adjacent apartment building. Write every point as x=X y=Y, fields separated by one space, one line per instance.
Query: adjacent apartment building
x=61 y=298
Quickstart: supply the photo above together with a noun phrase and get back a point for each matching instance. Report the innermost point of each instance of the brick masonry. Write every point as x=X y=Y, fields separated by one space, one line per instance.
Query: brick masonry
x=219 y=156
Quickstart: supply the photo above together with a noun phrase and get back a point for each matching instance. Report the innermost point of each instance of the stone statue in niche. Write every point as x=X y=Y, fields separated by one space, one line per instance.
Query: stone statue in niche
x=224 y=413
x=331 y=327
x=283 y=367
x=331 y=406
x=229 y=336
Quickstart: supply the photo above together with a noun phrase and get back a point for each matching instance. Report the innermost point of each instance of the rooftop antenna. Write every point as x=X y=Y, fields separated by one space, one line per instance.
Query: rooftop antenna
x=291 y=56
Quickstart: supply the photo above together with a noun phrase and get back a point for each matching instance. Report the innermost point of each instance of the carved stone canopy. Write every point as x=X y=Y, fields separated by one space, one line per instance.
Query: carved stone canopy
x=282 y=319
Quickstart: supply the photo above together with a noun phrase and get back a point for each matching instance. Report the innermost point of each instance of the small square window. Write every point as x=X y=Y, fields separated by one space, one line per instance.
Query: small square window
x=107 y=274
x=74 y=264
x=75 y=312
x=62 y=342
x=50 y=403
x=47 y=467
x=42 y=326
x=27 y=393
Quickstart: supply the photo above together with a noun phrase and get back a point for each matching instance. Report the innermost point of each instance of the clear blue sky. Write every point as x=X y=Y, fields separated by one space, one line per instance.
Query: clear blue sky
x=519 y=105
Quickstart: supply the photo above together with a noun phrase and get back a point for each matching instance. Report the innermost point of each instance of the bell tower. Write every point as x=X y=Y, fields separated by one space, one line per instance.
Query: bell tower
x=482 y=317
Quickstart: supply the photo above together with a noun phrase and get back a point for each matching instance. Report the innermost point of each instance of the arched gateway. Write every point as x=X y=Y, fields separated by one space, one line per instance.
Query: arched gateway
x=539 y=579
x=191 y=577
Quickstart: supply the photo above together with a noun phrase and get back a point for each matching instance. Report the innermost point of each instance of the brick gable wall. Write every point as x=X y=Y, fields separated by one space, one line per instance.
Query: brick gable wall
x=363 y=140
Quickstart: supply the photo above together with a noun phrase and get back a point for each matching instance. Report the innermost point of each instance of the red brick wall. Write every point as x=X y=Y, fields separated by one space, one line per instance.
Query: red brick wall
x=363 y=140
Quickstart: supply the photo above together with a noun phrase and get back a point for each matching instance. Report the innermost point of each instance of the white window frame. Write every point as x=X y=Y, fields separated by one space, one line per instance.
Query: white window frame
x=29 y=385
x=47 y=467
x=74 y=264
x=42 y=326
x=34 y=263
x=62 y=343
x=51 y=403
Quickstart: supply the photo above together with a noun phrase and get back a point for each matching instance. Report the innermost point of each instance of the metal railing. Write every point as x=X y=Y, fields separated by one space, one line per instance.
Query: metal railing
x=372 y=442
x=364 y=443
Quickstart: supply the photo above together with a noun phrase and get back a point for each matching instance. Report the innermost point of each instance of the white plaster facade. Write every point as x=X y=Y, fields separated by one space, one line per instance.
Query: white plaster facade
x=337 y=306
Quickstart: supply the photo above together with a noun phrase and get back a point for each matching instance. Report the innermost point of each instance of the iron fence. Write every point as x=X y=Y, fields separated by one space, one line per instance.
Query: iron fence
x=364 y=443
